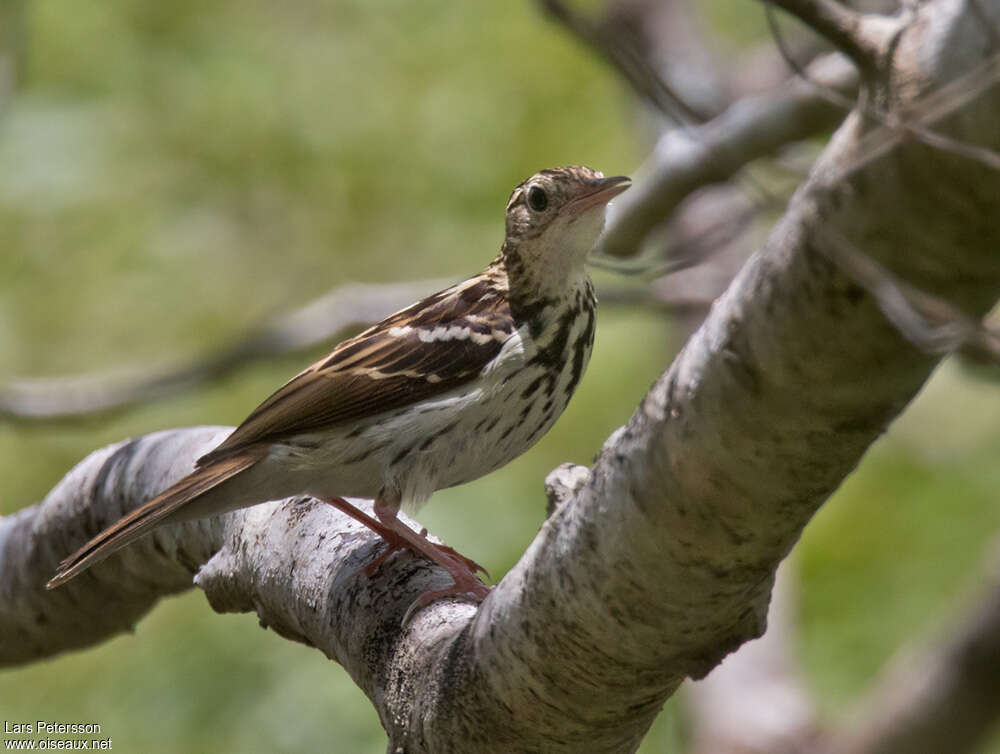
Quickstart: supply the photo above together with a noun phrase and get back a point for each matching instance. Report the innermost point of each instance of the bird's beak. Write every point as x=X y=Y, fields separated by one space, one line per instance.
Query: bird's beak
x=603 y=190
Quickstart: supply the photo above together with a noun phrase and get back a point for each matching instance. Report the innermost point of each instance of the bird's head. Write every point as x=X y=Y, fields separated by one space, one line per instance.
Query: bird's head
x=555 y=217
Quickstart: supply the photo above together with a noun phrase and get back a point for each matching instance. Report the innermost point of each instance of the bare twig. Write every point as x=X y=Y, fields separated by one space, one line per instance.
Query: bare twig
x=860 y=36
x=86 y=397
x=622 y=53
x=687 y=159
x=829 y=93
x=686 y=248
x=321 y=320
x=938 y=103
x=930 y=322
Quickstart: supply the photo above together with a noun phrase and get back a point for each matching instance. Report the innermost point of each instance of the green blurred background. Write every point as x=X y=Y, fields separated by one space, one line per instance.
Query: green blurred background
x=171 y=173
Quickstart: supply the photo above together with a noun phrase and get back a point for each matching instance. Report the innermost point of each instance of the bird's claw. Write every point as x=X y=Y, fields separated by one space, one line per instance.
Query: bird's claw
x=401 y=544
x=463 y=570
x=470 y=591
x=469 y=563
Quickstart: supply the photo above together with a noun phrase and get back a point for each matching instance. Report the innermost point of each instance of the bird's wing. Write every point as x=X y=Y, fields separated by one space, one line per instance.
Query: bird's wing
x=422 y=351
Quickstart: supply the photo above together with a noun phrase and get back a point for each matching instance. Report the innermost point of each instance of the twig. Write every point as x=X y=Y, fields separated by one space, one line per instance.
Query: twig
x=829 y=93
x=88 y=396
x=657 y=300
x=930 y=322
x=688 y=159
x=693 y=157
x=621 y=53
x=686 y=250
x=860 y=36
x=938 y=103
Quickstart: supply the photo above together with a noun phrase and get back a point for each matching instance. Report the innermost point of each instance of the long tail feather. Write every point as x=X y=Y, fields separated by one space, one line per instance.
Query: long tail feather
x=143 y=519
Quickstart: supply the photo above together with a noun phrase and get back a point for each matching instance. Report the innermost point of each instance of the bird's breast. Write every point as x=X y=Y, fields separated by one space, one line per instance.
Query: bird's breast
x=469 y=431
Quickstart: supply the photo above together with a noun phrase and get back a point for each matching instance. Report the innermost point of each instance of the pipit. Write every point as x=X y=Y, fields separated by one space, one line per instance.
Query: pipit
x=438 y=394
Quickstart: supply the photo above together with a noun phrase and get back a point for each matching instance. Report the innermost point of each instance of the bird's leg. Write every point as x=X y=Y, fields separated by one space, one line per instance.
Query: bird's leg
x=462 y=569
x=399 y=536
x=392 y=539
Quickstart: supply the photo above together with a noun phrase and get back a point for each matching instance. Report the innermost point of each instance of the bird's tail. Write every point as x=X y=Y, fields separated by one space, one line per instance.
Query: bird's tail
x=140 y=521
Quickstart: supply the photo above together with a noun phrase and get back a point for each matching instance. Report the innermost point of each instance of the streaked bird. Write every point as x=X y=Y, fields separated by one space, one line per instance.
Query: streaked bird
x=438 y=394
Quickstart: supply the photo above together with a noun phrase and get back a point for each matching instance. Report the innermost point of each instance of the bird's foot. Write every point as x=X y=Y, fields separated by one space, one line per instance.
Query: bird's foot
x=398 y=536
x=393 y=545
x=472 y=566
x=397 y=543
x=466 y=587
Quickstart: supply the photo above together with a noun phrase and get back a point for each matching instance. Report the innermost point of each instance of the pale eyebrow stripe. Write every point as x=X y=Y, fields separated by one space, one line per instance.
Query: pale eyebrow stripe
x=515 y=197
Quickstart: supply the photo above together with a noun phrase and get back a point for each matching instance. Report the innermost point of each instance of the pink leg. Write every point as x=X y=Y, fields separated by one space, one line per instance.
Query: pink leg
x=394 y=541
x=400 y=536
x=462 y=573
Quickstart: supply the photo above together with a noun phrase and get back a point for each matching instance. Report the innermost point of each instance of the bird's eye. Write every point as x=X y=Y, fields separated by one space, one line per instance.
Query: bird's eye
x=538 y=200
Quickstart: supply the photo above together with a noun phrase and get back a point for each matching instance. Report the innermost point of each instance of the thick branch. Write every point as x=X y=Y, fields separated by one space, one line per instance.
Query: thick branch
x=113 y=596
x=245 y=549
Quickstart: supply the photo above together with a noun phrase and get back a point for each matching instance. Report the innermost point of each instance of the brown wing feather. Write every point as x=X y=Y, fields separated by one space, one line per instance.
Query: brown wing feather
x=379 y=371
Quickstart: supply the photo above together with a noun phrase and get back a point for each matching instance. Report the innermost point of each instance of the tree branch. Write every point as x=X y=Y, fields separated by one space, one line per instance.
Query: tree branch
x=91 y=396
x=319 y=321
x=690 y=158
x=860 y=36
x=612 y=42
x=113 y=596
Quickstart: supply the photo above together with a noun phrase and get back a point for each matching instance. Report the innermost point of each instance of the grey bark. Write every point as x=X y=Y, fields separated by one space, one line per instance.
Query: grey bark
x=658 y=560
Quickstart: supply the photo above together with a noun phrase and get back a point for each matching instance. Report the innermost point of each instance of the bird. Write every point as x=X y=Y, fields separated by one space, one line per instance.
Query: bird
x=440 y=393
